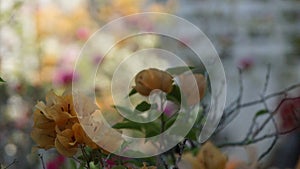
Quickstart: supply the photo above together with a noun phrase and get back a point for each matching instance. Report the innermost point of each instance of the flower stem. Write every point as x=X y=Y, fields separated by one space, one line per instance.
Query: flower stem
x=85 y=157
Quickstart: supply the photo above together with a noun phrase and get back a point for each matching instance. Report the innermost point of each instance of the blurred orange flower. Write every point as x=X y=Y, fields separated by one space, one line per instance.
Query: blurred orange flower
x=209 y=157
x=189 y=84
x=150 y=167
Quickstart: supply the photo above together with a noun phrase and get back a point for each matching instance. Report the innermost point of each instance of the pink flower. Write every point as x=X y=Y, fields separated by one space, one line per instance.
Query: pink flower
x=170 y=108
x=56 y=163
x=65 y=77
x=82 y=33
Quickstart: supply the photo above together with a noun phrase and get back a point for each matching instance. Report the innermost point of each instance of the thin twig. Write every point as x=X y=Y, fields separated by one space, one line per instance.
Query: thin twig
x=181 y=149
x=85 y=157
x=227 y=112
x=42 y=160
x=163 y=161
x=267 y=80
x=273 y=143
x=9 y=165
x=248 y=142
x=232 y=114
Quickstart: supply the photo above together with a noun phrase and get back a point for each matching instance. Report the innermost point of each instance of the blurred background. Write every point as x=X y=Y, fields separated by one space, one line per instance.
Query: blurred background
x=40 y=40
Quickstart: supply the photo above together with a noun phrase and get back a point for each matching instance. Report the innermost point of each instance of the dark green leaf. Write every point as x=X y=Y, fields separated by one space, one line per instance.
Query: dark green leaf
x=81 y=158
x=132 y=92
x=128 y=125
x=151 y=129
x=143 y=106
x=261 y=112
x=179 y=70
x=1 y=80
x=192 y=134
x=170 y=121
x=72 y=164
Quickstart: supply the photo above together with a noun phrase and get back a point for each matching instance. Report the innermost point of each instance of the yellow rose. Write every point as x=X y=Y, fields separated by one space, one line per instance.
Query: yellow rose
x=150 y=79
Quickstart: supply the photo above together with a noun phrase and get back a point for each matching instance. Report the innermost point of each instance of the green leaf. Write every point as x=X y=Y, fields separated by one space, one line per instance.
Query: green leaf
x=72 y=164
x=261 y=112
x=151 y=129
x=93 y=165
x=179 y=70
x=170 y=121
x=1 y=80
x=81 y=158
x=128 y=125
x=192 y=134
x=143 y=106
x=132 y=92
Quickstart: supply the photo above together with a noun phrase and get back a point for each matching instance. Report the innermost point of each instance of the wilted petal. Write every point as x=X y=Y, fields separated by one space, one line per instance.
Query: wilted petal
x=66 y=151
x=40 y=120
x=44 y=137
x=52 y=98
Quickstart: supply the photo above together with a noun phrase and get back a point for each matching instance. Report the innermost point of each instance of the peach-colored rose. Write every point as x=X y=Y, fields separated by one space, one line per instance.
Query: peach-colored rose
x=150 y=79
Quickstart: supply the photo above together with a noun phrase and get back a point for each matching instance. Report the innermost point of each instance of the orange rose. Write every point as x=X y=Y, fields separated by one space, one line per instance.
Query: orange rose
x=150 y=79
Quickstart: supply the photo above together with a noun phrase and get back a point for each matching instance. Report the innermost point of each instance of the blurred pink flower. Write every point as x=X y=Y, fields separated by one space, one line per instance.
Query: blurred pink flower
x=83 y=33
x=97 y=59
x=246 y=63
x=65 y=77
x=56 y=163
x=290 y=112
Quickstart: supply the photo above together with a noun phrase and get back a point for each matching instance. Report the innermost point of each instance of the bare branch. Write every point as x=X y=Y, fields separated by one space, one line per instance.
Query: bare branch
x=251 y=140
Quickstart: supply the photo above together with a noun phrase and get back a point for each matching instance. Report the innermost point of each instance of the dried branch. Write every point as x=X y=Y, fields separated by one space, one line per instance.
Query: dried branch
x=251 y=140
x=256 y=128
x=235 y=106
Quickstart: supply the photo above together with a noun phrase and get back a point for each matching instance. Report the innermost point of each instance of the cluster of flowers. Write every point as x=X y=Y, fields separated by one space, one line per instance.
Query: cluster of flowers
x=56 y=125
